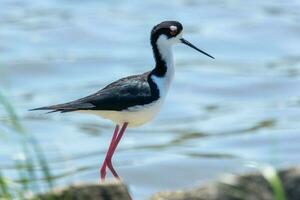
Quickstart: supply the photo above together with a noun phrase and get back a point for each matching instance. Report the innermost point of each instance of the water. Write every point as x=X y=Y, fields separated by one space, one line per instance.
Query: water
x=220 y=115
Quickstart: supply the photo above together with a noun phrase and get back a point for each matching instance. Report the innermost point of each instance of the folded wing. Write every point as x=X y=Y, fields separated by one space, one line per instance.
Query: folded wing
x=117 y=96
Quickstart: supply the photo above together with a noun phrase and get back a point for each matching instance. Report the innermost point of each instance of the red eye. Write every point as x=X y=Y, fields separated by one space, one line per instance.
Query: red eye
x=173 y=30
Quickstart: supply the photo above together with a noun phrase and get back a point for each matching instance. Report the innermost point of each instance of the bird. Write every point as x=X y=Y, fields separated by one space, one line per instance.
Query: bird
x=134 y=100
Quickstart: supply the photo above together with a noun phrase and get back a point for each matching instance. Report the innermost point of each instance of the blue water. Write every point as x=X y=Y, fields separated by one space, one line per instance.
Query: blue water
x=220 y=117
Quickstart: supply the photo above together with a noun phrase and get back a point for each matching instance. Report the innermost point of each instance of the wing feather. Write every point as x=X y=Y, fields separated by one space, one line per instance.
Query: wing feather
x=119 y=95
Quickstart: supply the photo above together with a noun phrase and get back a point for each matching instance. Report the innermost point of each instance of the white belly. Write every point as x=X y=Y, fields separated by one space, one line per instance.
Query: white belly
x=135 y=116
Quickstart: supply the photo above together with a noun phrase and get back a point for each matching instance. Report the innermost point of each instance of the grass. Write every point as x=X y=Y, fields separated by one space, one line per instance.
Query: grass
x=5 y=193
x=33 y=158
x=271 y=175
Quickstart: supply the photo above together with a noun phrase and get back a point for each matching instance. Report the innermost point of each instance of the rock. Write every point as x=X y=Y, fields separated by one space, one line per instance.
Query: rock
x=245 y=187
x=103 y=191
x=291 y=182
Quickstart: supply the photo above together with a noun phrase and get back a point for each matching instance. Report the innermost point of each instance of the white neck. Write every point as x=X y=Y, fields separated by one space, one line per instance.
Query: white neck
x=165 y=49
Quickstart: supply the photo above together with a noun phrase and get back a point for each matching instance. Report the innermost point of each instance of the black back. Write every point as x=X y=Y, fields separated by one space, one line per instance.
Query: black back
x=117 y=96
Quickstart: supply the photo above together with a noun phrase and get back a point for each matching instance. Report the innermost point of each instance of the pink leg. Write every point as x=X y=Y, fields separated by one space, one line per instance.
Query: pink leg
x=111 y=153
x=111 y=146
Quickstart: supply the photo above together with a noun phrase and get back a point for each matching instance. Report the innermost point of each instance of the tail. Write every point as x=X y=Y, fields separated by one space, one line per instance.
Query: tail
x=66 y=107
x=41 y=108
x=52 y=110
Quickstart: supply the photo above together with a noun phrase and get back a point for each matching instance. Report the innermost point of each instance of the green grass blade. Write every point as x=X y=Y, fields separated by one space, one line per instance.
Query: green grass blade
x=5 y=193
x=43 y=163
x=273 y=179
x=29 y=143
x=31 y=173
x=13 y=117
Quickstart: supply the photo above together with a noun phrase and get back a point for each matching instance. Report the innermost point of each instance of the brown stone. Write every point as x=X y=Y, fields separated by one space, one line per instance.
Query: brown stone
x=103 y=191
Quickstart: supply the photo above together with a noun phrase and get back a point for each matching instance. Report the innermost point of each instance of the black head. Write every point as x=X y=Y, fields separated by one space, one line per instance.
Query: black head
x=169 y=33
x=168 y=28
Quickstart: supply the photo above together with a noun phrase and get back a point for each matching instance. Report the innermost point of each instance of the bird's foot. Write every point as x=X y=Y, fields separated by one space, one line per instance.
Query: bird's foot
x=113 y=171
x=103 y=172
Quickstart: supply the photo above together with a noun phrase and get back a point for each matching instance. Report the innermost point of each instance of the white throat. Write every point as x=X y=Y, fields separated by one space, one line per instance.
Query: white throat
x=165 y=49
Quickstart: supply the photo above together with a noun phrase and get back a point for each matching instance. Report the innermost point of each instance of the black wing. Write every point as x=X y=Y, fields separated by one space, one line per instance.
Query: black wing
x=117 y=96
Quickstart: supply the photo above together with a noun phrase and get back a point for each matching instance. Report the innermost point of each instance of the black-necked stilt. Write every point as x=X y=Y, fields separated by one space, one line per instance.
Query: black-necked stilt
x=133 y=100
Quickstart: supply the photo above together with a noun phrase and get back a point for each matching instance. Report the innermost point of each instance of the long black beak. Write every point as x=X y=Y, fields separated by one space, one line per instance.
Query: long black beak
x=191 y=45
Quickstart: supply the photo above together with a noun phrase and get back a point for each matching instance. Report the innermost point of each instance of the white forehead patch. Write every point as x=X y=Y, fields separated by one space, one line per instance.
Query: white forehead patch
x=173 y=28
